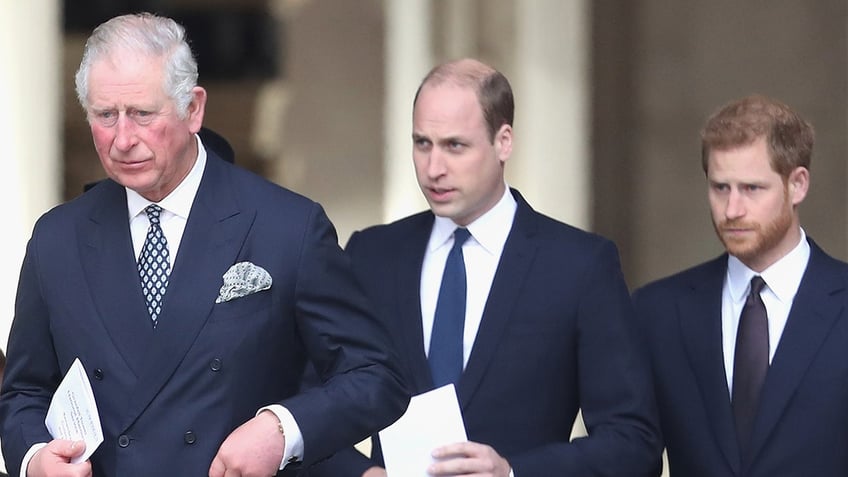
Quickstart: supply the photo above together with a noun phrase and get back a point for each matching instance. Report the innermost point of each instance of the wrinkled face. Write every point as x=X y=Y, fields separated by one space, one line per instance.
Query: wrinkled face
x=459 y=169
x=141 y=140
x=753 y=208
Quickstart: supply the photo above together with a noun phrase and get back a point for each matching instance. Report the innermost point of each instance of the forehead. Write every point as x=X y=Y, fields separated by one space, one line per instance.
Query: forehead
x=125 y=79
x=749 y=161
x=447 y=105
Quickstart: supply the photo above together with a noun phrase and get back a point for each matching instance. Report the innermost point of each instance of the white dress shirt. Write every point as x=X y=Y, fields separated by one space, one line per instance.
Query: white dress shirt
x=482 y=253
x=782 y=281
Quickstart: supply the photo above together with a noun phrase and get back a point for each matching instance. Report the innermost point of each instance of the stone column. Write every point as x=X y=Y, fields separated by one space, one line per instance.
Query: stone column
x=550 y=76
x=29 y=130
x=409 y=56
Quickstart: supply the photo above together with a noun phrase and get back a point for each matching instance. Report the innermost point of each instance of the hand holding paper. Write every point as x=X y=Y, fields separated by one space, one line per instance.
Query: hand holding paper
x=432 y=419
x=73 y=415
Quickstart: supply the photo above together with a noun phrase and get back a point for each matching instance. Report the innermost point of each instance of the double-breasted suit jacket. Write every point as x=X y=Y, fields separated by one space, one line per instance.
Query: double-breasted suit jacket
x=169 y=396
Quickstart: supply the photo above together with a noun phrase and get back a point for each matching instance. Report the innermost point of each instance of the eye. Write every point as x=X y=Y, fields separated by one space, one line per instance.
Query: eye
x=455 y=146
x=141 y=116
x=106 y=117
x=421 y=143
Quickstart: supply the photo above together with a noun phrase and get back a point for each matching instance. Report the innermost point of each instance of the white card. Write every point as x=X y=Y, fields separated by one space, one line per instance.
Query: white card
x=72 y=414
x=433 y=419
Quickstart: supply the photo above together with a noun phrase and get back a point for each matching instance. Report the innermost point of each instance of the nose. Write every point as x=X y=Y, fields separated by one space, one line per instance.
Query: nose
x=125 y=137
x=735 y=206
x=435 y=164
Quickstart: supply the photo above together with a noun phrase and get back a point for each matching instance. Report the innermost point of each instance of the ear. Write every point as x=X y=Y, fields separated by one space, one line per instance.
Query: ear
x=196 y=109
x=798 y=184
x=503 y=143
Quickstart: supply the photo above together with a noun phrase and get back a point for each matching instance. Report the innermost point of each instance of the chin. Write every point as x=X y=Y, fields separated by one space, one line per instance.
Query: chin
x=744 y=251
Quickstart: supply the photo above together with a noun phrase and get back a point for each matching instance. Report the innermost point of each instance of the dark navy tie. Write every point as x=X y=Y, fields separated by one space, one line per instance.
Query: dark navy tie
x=153 y=264
x=445 y=356
x=750 y=363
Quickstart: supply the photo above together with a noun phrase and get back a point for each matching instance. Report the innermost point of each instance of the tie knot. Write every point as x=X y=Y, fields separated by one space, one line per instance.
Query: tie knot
x=757 y=284
x=460 y=235
x=153 y=211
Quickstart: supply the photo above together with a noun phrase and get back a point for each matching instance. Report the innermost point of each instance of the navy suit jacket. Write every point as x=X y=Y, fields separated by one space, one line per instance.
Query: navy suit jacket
x=169 y=397
x=557 y=335
x=802 y=423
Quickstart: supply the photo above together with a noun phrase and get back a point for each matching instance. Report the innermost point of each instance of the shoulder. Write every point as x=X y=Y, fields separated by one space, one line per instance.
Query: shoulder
x=824 y=272
x=683 y=281
x=231 y=189
x=554 y=238
x=415 y=226
x=86 y=206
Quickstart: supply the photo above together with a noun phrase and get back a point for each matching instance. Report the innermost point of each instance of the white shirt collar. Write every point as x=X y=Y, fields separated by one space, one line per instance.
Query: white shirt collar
x=782 y=277
x=490 y=230
x=179 y=201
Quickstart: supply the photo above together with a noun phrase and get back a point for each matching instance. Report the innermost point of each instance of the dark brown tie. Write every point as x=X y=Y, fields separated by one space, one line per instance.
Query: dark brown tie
x=750 y=363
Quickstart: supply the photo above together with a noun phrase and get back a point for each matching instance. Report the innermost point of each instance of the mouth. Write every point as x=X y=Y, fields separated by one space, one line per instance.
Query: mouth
x=440 y=194
x=736 y=232
x=131 y=165
x=124 y=159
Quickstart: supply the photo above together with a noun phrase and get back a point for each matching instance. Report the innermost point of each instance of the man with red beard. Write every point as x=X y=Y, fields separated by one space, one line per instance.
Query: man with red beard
x=750 y=350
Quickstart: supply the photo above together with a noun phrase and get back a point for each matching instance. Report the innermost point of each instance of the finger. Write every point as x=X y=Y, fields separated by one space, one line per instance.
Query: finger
x=457 y=466
x=456 y=449
x=217 y=469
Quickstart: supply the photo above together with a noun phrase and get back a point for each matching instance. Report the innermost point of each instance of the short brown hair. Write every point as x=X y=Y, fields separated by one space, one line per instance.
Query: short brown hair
x=493 y=90
x=789 y=137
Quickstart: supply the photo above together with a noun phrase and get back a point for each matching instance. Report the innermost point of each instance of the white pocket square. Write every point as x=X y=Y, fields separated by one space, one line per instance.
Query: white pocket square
x=242 y=279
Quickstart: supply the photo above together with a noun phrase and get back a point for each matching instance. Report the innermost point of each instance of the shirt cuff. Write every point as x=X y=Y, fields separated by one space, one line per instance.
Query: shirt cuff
x=294 y=439
x=29 y=455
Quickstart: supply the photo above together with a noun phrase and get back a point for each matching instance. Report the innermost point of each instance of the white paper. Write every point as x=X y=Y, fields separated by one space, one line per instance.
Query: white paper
x=73 y=415
x=433 y=419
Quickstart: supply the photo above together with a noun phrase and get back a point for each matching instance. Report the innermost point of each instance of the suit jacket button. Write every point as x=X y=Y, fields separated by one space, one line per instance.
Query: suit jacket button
x=98 y=374
x=123 y=440
x=189 y=437
x=216 y=364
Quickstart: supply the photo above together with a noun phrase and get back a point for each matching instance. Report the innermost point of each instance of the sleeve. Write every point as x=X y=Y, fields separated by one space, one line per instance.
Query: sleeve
x=615 y=386
x=32 y=372
x=361 y=389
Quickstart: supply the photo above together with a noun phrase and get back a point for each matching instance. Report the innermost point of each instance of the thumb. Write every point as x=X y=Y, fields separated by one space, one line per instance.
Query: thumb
x=72 y=448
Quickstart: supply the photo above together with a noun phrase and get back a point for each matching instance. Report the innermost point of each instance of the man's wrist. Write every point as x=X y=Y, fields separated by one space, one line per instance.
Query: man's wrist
x=29 y=455
x=292 y=438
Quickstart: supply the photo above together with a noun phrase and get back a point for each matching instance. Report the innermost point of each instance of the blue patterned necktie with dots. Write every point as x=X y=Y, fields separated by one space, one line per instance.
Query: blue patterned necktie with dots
x=153 y=264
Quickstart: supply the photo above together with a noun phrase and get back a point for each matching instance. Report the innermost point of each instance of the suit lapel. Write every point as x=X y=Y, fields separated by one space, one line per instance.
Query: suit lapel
x=518 y=252
x=408 y=281
x=700 y=326
x=214 y=234
x=815 y=310
x=107 y=258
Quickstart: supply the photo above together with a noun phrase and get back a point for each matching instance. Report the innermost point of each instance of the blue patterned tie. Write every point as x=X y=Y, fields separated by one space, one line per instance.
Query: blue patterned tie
x=445 y=356
x=153 y=264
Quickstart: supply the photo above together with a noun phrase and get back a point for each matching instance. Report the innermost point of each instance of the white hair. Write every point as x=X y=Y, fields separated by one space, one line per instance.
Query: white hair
x=149 y=35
